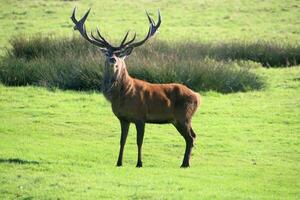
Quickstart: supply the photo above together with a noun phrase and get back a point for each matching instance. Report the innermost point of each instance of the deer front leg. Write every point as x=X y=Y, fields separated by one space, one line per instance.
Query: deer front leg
x=124 y=133
x=140 y=129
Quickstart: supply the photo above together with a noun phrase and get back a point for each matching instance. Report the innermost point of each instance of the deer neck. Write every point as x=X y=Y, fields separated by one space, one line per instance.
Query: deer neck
x=115 y=84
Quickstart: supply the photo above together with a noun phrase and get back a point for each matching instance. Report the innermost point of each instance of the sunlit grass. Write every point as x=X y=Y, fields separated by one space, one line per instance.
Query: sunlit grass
x=247 y=146
x=64 y=144
x=218 y=20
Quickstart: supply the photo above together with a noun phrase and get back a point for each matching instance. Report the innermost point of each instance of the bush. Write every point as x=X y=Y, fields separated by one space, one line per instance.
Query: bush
x=72 y=63
x=266 y=53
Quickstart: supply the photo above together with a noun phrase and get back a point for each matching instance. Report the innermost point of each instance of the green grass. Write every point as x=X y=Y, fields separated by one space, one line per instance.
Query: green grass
x=206 y=20
x=67 y=144
x=64 y=144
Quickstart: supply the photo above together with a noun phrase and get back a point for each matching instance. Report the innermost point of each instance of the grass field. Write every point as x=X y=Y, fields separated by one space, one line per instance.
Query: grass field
x=206 y=20
x=58 y=144
x=247 y=147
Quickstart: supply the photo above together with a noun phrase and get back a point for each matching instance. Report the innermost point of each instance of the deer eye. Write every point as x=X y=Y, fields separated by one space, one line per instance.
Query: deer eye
x=112 y=60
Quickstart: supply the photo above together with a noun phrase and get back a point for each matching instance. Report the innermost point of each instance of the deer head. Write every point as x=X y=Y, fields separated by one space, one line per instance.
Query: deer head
x=115 y=55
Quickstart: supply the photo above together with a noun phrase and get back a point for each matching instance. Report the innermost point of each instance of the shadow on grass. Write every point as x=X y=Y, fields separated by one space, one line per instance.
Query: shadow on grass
x=18 y=161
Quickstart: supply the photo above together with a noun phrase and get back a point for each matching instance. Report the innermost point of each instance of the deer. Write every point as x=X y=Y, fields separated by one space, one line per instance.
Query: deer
x=137 y=101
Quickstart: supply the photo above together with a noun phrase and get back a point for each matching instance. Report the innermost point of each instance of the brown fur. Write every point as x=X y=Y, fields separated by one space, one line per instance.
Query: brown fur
x=141 y=102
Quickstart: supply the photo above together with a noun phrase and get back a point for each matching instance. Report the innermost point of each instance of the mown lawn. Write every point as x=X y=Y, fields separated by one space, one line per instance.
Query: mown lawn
x=64 y=145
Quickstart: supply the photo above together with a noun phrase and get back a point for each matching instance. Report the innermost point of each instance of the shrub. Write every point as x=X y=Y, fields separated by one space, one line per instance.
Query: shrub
x=72 y=63
x=269 y=54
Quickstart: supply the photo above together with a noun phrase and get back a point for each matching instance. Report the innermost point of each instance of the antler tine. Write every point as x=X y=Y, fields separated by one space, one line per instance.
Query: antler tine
x=130 y=41
x=122 y=43
x=159 y=19
x=153 y=26
x=98 y=40
x=81 y=21
x=80 y=26
x=73 y=15
x=152 y=29
x=102 y=38
x=149 y=18
x=125 y=45
x=85 y=16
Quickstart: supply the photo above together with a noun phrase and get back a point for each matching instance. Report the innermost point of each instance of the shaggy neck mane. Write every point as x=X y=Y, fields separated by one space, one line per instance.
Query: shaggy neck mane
x=114 y=85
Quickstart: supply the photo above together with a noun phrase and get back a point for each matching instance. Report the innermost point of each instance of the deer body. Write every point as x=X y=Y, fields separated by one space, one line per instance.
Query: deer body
x=136 y=100
x=139 y=102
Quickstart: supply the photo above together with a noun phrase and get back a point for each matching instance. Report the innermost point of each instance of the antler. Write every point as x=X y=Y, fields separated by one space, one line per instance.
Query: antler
x=125 y=47
x=80 y=26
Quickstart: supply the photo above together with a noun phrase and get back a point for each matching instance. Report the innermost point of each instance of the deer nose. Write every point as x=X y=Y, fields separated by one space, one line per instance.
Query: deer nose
x=112 y=60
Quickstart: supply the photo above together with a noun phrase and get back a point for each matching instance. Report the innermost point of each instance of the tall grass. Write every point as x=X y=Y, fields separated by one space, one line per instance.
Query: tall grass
x=269 y=54
x=72 y=63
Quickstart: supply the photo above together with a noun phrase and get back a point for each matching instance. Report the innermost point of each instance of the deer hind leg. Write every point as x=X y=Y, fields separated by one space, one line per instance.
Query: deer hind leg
x=140 y=129
x=185 y=130
x=124 y=133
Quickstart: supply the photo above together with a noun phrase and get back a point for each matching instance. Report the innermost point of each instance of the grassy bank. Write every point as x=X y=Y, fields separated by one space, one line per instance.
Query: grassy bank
x=65 y=144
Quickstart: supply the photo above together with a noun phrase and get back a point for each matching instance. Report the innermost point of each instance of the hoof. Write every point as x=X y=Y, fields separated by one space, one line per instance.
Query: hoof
x=119 y=165
x=185 y=166
x=139 y=165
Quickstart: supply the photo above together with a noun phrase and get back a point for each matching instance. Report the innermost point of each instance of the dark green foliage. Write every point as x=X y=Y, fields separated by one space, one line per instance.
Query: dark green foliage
x=269 y=54
x=72 y=63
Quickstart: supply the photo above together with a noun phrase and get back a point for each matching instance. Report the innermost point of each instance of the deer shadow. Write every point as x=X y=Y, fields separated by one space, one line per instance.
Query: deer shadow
x=18 y=161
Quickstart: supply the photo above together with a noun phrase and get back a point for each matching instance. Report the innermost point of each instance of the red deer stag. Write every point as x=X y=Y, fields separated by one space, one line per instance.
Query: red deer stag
x=139 y=102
